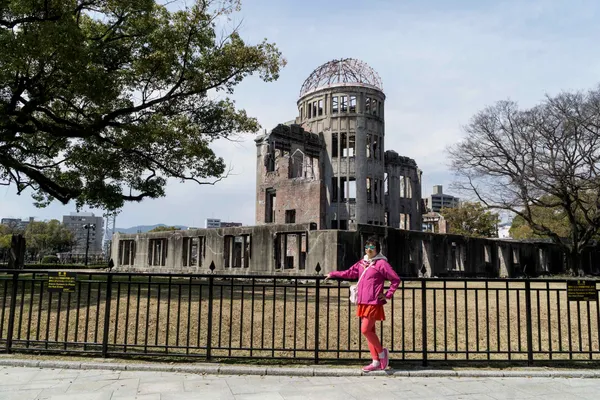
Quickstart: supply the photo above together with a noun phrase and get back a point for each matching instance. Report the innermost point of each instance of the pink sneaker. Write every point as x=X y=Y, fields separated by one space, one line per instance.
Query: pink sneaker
x=385 y=360
x=371 y=367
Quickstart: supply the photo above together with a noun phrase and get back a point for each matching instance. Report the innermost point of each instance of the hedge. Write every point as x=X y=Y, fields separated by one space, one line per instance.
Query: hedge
x=61 y=266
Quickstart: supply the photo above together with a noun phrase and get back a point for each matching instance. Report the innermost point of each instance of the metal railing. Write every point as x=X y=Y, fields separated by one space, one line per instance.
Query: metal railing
x=299 y=318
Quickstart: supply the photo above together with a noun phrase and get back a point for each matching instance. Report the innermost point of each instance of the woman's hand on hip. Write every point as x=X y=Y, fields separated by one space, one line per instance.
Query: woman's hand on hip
x=381 y=296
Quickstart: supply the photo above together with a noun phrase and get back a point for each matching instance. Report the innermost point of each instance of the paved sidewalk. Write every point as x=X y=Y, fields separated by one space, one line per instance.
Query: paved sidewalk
x=26 y=383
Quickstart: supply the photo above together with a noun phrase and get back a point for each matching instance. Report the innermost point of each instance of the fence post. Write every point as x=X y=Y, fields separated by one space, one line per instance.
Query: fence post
x=317 y=306
x=529 y=323
x=210 y=317
x=107 y=315
x=11 y=315
x=424 y=319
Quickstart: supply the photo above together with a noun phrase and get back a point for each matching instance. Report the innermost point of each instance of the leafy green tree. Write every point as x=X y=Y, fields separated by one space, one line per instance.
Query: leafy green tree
x=164 y=229
x=44 y=238
x=5 y=240
x=538 y=161
x=552 y=217
x=471 y=219
x=101 y=101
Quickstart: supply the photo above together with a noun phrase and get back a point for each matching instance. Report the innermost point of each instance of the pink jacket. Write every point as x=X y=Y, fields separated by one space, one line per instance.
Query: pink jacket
x=372 y=282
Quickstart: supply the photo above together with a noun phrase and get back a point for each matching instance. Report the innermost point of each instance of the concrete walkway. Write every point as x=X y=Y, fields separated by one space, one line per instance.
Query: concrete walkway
x=22 y=383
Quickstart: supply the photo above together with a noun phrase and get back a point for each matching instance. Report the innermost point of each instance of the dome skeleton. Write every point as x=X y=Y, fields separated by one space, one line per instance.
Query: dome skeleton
x=343 y=71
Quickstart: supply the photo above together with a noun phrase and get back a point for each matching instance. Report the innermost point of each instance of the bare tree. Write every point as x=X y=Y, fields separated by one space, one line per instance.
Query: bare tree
x=544 y=157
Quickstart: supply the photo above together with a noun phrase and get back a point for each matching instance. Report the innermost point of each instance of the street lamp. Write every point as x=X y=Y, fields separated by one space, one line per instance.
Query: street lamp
x=88 y=227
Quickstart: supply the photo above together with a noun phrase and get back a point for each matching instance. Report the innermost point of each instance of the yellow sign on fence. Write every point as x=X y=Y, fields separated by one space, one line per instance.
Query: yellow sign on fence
x=62 y=282
x=582 y=291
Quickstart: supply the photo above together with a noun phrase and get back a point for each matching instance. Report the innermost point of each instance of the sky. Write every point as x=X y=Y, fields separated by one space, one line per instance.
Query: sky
x=441 y=61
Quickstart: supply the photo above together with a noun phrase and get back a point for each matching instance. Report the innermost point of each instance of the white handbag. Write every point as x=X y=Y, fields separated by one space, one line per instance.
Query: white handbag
x=354 y=288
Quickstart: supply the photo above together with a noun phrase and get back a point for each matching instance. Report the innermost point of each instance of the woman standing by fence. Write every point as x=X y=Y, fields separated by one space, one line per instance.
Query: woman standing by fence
x=372 y=272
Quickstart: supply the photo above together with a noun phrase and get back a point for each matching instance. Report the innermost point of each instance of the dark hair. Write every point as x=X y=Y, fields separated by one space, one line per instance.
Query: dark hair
x=373 y=241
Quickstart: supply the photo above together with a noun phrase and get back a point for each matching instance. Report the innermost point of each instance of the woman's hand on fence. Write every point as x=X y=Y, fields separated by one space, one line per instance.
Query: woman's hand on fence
x=327 y=277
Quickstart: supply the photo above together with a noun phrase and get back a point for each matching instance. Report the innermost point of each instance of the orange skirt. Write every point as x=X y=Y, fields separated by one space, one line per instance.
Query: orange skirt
x=370 y=311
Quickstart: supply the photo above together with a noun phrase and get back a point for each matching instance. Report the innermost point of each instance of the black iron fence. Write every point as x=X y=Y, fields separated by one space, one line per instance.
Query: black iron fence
x=300 y=318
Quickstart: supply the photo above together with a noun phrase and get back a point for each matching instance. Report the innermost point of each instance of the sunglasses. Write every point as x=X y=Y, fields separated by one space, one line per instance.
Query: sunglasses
x=369 y=247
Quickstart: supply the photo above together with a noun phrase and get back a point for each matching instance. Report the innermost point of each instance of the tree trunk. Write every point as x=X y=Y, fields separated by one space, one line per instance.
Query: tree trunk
x=574 y=263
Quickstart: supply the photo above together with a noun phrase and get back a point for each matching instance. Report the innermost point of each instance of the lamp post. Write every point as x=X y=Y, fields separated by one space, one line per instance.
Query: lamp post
x=88 y=227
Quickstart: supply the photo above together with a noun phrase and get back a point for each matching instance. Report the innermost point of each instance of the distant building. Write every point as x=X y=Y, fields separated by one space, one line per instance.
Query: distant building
x=217 y=223
x=434 y=222
x=504 y=230
x=76 y=223
x=16 y=223
x=439 y=200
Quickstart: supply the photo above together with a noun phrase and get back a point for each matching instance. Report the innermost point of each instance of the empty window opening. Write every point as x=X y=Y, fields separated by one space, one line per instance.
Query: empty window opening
x=334 y=105
x=193 y=251
x=375 y=147
x=296 y=165
x=344 y=105
x=403 y=221
x=314 y=108
x=373 y=106
x=334 y=224
x=270 y=203
x=157 y=252
x=290 y=250
x=369 y=187
x=309 y=111
x=348 y=145
x=487 y=249
x=301 y=110
x=386 y=183
x=386 y=218
x=320 y=108
x=351 y=151
x=369 y=149
x=516 y=256
x=334 y=189
x=376 y=191
x=379 y=108
x=352 y=190
x=237 y=251
x=367 y=105
x=348 y=189
x=343 y=223
x=290 y=216
x=270 y=157
x=126 y=252
x=352 y=104
x=308 y=167
x=402 y=187
x=334 y=144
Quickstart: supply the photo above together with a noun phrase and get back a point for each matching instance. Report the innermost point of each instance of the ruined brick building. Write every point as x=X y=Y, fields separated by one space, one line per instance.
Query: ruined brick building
x=325 y=185
x=329 y=166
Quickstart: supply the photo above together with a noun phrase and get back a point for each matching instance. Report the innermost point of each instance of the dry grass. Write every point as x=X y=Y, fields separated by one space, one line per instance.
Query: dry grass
x=460 y=318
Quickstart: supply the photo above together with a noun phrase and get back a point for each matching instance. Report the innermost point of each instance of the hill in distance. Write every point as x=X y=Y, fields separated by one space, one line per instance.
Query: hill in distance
x=145 y=228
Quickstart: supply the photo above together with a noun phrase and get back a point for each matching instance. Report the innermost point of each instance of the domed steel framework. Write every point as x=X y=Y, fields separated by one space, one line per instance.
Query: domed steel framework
x=344 y=71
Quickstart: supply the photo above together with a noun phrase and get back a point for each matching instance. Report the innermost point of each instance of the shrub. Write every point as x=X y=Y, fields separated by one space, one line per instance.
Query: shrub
x=50 y=260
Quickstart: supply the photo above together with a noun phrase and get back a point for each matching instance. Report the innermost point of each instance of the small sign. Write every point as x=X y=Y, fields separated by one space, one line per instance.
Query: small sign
x=582 y=291
x=61 y=281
